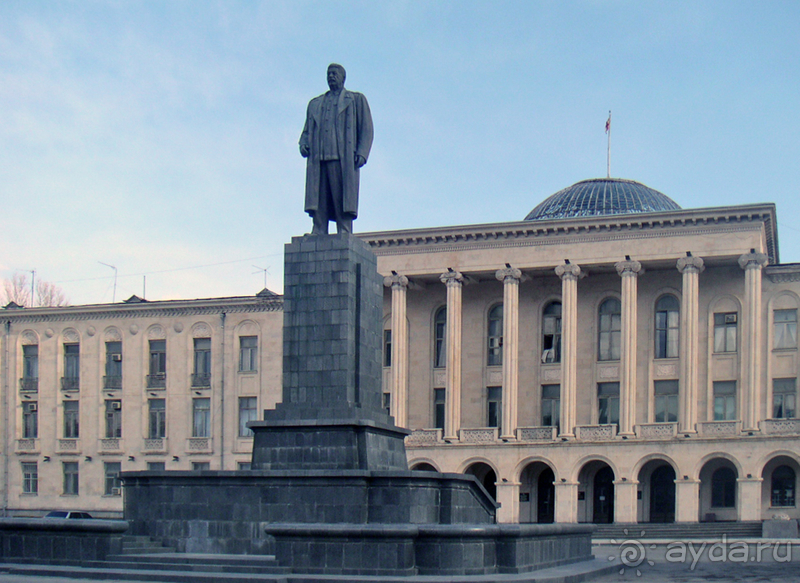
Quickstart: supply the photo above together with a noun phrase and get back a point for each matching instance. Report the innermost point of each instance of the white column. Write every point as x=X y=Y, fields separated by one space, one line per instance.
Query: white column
x=510 y=276
x=629 y=271
x=399 y=388
x=452 y=419
x=690 y=267
x=752 y=263
x=569 y=274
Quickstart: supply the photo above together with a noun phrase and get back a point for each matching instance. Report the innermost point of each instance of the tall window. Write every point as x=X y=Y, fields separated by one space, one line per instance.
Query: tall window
x=202 y=363
x=439 y=338
x=30 y=368
x=494 y=406
x=112 y=485
x=72 y=365
x=608 y=403
x=113 y=418
x=551 y=401
x=723 y=488
x=551 y=333
x=201 y=417
x=387 y=348
x=158 y=364
x=610 y=326
x=248 y=353
x=725 y=332
x=785 y=329
x=72 y=416
x=30 y=478
x=113 y=377
x=248 y=411
x=666 y=401
x=783 y=486
x=71 y=478
x=438 y=408
x=667 y=327
x=30 y=420
x=724 y=400
x=784 y=398
x=158 y=418
x=495 y=336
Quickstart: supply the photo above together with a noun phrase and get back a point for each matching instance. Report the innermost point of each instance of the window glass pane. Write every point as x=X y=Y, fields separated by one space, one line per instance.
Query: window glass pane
x=248 y=411
x=248 y=353
x=201 y=409
x=440 y=350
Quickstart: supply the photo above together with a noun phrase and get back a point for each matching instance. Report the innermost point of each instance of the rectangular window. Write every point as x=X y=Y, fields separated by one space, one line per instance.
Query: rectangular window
x=72 y=417
x=30 y=368
x=724 y=400
x=551 y=405
x=30 y=420
x=784 y=398
x=113 y=376
x=387 y=348
x=71 y=478
x=608 y=403
x=201 y=417
x=785 y=329
x=113 y=485
x=30 y=478
x=156 y=466
x=248 y=353
x=72 y=365
x=438 y=408
x=113 y=418
x=494 y=406
x=158 y=364
x=725 y=332
x=201 y=466
x=158 y=418
x=248 y=411
x=666 y=401
x=202 y=363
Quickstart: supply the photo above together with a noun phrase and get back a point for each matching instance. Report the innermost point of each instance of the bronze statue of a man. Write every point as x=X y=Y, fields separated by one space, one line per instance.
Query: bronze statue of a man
x=336 y=141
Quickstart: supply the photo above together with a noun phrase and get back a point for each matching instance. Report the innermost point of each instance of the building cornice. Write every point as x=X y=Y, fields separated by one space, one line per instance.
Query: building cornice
x=529 y=233
x=787 y=273
x=157 y=309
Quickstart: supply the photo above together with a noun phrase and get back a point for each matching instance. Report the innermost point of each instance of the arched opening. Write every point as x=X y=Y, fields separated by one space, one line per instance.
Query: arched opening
x=485 y=475
x=779 y=487
x=537 y=494
x=596 y=493
x=423 y=467
x=656 y=496
x=718 y=491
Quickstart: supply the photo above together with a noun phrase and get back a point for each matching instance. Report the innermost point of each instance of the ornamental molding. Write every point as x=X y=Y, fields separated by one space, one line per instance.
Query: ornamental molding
x=753 y=260
x=112 y=335
x=201 y=330
x=691 y=264
x=395 y=280
x=508 y=275
x=156 y=333
x=452 y=278
x=569 y=271
x=29 y=337
x=629 y=267
x=71 y=335
x=666 y=370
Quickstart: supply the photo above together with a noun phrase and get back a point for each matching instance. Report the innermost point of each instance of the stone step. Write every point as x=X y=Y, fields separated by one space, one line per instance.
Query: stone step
x=235 y=562
x=678 y=530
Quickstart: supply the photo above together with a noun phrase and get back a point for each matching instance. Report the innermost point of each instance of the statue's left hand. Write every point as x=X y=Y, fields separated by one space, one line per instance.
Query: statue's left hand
x=360 y=161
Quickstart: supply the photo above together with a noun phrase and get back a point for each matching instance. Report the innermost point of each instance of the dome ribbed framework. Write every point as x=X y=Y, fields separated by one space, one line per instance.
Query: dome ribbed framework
x=602 y=196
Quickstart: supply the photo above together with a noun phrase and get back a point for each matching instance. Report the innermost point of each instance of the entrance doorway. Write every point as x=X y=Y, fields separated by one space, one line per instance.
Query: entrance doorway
x=603 y=502
x=546 y=497
x=662 y=494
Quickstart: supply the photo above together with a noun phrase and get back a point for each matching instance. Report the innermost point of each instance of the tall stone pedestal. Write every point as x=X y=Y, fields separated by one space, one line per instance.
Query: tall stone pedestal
x=331 y=416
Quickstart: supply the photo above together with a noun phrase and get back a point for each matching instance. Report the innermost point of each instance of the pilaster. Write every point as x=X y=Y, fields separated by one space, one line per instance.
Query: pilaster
x=399 y=388
x=752 y=263
x=452 y=422
x=510 y=276
x=569 y=274
x=690 y=267
x=629 y=270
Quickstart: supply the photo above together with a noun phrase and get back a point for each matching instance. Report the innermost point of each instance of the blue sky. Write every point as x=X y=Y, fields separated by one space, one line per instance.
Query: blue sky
x=161 y=137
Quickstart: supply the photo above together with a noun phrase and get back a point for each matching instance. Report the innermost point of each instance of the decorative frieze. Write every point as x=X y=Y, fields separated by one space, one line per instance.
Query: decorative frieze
x=424 y=436
x=596 y=432
x=656 y=430
x=483 y=435
x=780 y=427
x=536 y=433
x=719 y=428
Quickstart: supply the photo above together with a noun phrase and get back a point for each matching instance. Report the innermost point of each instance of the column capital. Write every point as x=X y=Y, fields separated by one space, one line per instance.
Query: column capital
x=569 y=271
x=508 y=275
x=395 y=280
x=691 y=264
x=452 y=278
x=753 y=260
x=629 y=267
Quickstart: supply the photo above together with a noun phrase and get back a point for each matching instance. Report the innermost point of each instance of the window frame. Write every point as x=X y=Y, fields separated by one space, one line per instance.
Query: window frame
x=30 y=479
x=113 y=419
x=608 y=392
x=201 y=417
x=551 y=332
x=726 y=332
x=666 y=401
x=724 y=395
x=667 y=326
x=494 y=335
x=784 y=329
x=157 y=418
x=30 y=420
x=71 y=482
x=248 y=355
x=111 y=478
x=781 y=495
x=494 y=406
x=440 y=338
x=247 y=414
x=439 y=407
x=550 y=405
x=72 y=418
x=609 y=330
x=783 y=397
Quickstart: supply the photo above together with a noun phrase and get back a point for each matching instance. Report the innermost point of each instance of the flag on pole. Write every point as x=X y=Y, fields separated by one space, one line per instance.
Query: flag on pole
x=608 y=123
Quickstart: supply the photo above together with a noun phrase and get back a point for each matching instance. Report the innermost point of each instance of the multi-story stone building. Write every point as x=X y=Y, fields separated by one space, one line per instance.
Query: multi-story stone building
x=89 y=391
x=612 y=357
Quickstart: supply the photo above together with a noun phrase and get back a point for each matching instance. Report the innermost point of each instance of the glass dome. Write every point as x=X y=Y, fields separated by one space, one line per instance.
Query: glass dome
x=602 y=196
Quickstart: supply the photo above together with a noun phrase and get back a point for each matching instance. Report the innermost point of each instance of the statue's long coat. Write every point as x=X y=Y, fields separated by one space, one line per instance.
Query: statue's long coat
x=354 y=135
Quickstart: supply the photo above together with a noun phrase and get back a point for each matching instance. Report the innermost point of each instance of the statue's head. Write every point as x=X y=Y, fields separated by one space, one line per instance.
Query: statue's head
x=336 y=76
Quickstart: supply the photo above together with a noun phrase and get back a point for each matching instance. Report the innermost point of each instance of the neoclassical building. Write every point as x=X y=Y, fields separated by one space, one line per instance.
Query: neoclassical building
x=610 y=358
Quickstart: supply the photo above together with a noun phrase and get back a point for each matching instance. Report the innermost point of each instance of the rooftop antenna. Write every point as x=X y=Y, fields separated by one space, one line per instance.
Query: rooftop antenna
x=265 y=270
x=33 y=279
x=114 y=294
x=608 y=151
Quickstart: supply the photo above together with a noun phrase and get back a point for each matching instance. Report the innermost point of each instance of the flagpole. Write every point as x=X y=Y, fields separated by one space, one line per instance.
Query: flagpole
x=608 y=152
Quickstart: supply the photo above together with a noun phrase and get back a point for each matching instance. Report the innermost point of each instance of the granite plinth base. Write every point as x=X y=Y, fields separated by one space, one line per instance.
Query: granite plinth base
x=226 y=512
x=61 y=541
x=328 y=444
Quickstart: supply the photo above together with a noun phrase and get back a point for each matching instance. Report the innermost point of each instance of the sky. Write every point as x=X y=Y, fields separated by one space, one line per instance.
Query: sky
x=160 y=137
